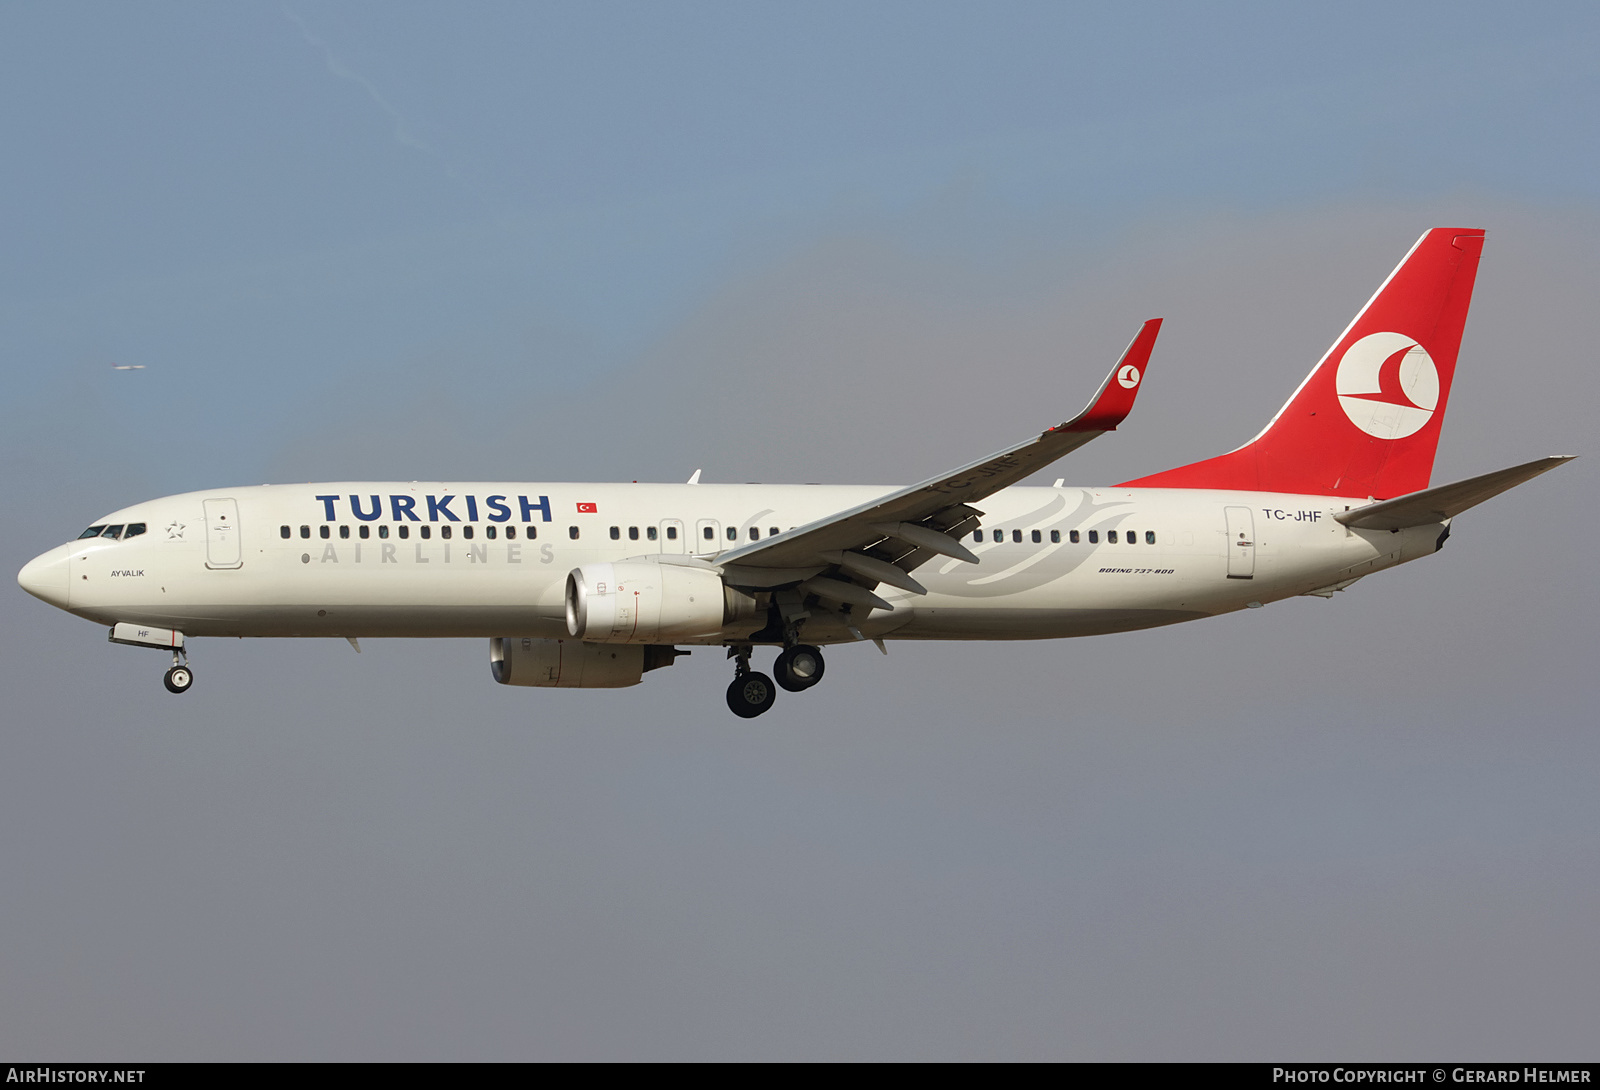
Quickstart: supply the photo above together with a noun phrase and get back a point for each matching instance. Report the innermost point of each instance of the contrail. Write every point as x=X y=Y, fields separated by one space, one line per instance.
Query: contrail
x=397 y=121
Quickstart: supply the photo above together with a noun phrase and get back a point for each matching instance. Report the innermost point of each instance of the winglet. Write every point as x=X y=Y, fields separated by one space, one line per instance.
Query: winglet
x=1114 y=402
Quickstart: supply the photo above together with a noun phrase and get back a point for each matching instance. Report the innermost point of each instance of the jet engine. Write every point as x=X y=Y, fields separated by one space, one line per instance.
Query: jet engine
x=644 y=602
x=569 y=664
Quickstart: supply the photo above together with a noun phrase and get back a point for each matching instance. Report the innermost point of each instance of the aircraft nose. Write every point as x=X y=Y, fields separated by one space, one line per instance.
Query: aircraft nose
x=45 y=577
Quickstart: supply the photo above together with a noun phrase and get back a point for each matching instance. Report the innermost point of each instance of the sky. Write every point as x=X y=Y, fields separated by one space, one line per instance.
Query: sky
x=846 y=242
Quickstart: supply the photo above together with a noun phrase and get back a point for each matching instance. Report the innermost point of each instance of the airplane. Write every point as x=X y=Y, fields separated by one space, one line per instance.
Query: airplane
x=595 y=585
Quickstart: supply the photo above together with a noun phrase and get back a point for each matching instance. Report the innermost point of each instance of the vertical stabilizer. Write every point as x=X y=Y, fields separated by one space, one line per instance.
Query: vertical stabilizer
x=1366 y=421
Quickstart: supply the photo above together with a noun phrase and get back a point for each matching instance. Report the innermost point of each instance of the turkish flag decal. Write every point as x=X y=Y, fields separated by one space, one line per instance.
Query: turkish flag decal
x=588 y=509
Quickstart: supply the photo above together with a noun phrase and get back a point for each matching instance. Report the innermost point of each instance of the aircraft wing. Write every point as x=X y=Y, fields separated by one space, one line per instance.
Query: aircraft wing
x=882 y=541
x=1446 y=501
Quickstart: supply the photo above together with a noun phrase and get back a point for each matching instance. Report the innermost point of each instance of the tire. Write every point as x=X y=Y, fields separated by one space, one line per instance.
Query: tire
x=178 y=679
x=799 y=667
x=751 y=694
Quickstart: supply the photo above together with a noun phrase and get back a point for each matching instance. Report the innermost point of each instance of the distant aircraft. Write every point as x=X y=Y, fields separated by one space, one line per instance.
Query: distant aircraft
x=593 y=585
x=127 y=367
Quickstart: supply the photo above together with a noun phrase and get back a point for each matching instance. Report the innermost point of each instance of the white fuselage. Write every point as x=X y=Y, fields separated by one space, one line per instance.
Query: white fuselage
x=493 y=560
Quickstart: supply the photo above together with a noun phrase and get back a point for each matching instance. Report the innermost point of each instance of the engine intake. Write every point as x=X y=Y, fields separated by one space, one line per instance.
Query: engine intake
x=646 y=602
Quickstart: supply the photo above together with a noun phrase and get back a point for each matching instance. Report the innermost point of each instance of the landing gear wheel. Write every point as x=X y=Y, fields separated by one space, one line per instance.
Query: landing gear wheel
x=751 y=694
x=799 y=667
x=178 y=679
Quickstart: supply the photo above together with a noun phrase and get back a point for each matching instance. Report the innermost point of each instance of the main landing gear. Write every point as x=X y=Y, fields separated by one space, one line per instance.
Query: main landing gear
x=180 y=677
x=751 y=693
x=798 y=667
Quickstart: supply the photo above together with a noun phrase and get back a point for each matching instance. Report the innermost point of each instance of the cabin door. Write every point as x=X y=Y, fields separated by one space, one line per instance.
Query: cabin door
x=222 y=534
x=1241 y=543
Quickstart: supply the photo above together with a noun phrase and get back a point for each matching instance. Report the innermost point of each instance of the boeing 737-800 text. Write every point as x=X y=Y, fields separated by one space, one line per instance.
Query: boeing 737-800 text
x=593 y=585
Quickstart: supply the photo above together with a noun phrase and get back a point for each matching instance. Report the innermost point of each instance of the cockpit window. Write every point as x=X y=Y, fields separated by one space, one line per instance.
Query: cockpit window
x=113 y=532
x=93 y=531
x=134 y=530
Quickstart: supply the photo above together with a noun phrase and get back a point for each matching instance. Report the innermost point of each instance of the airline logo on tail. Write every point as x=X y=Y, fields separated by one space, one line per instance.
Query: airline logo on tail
x=1128 y=376
x=1388 y=385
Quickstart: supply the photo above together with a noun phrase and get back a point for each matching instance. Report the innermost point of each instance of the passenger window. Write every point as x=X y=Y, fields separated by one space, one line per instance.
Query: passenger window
x=999 y=535
x=1037 y=537
x=772 y=531
x=733 y=533
x=323 y=531
x=977 y=535
x=134 y=530
x=305 y=531
x=1016 y=536
x=283 y=531
x=364 y=530
x=403 y=530
x=650 y=532
x=489 y=532
x=511 y=533
x=633 y=533
x=1072 y=536
x=1111 y=537
x=616 y=533
x=1055 y=537
x=672 y=533
x=466 y=532
x=383 y=531
x=444 y=532
x=572 y=532
x=1094 y=537
x=94 y=531
x=1149 y=537
x=755 y=533
x=533 y=532
x=708 y=533
x=344 y=531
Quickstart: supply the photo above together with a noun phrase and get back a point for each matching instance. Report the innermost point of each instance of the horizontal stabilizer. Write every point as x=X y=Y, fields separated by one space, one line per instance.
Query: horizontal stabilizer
x=1447 y=501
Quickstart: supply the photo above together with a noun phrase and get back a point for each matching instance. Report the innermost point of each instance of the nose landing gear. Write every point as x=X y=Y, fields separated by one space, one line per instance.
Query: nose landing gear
x=179 y=677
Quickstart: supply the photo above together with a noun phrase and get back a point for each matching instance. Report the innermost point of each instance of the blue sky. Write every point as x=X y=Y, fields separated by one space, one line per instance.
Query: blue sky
x=618 y=241
x=263 y=198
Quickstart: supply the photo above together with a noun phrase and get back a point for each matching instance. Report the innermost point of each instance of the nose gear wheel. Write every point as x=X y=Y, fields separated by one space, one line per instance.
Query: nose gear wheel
x=178 y=679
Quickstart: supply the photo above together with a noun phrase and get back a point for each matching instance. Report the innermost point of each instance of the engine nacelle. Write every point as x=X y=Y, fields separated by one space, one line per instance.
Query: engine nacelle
x=566 y=664
x=641 y=601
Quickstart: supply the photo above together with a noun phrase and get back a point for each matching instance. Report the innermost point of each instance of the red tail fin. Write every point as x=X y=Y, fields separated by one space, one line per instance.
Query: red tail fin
x=1366 y=421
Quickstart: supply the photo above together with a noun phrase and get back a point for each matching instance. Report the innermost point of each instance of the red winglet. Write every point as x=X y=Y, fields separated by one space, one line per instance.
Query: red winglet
x=1114 y=402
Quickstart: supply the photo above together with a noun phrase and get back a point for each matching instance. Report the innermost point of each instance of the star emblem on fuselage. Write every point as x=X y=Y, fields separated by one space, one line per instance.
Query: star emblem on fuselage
x=175 y=531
